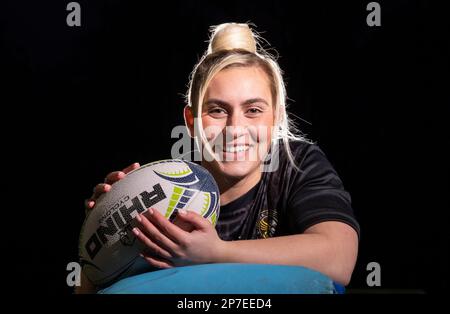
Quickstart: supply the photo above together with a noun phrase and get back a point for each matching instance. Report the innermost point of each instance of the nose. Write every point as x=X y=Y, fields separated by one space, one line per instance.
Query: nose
x=236 y=126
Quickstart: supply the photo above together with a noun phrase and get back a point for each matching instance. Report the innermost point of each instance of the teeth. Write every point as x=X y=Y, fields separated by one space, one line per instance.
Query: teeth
x=236 y=149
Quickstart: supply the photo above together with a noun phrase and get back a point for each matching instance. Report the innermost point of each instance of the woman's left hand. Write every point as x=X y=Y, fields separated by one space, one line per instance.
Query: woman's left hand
x=168 y=245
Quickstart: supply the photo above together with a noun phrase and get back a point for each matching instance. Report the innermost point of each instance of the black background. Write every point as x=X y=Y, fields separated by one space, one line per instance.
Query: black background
x=79 y=102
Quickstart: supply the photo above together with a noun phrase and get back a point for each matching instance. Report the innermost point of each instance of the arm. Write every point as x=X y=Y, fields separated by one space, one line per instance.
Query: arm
x=328 y=247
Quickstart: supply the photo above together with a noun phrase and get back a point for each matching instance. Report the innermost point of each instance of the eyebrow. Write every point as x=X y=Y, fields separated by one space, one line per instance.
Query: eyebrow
x=247 y=102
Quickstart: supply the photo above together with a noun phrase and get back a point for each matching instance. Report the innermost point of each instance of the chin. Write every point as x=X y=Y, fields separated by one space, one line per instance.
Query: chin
x=238 y=169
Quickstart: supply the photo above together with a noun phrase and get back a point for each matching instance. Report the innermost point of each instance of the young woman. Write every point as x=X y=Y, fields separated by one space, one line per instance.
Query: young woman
x=294 y=212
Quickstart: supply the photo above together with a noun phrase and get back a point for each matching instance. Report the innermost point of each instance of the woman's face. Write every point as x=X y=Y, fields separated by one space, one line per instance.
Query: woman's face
x=237 y=117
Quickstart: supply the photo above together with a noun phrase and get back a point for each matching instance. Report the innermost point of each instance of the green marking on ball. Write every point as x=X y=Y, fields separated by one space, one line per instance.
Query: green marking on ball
x=179 y=173
x=206 y=203
x=176 y=194
x=214 y=218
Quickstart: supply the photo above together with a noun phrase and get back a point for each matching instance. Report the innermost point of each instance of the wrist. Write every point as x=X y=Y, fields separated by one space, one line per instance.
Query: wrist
x=222 y=251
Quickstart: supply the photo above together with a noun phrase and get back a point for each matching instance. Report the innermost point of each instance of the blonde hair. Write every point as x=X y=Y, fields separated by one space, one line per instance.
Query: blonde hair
x=233 y=44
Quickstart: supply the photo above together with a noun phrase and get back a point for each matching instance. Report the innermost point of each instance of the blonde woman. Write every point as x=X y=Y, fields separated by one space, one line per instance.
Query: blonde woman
x=295 y=213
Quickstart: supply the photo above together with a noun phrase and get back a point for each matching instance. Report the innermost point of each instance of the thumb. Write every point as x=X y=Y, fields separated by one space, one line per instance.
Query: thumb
x=195 y=219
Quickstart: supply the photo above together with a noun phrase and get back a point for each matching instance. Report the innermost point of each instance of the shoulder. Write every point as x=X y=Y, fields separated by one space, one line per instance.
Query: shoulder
x=304 y=154
x=313 y=192
x=306 y=166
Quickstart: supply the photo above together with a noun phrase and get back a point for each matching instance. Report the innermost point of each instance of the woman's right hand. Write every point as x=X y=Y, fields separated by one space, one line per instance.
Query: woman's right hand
x=104 y=187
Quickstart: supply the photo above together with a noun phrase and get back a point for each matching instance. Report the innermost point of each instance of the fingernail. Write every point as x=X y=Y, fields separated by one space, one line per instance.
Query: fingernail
x=135 y=231
x=138 y=217
x=150 y=211
x=182 y=211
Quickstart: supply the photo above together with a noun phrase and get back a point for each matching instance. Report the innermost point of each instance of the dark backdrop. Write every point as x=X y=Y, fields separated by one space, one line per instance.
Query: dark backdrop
x=80 y=102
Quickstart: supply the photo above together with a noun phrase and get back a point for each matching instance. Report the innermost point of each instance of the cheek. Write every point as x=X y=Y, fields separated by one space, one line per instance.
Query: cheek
x=264 y=128
x=269 y=123
x=212 y=127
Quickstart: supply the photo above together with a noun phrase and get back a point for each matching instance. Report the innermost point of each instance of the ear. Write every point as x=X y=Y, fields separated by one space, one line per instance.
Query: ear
x=189 y=119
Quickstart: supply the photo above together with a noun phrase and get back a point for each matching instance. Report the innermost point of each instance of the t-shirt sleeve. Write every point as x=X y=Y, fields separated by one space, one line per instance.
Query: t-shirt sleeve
x=317 y=193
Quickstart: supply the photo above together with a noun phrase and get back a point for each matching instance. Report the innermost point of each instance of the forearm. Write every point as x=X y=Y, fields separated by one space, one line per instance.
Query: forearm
x=314 y=251
x=329 y=247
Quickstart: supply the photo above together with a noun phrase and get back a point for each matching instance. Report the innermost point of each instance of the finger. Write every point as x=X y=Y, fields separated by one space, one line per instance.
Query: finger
x=195 y=219
x=114 y=177
x=89 y=204
x=131 y=167
x=172 y=231
x=154 y=234
x=100 y=189
x=150 y=245
x=185 y=225
x=157 y=262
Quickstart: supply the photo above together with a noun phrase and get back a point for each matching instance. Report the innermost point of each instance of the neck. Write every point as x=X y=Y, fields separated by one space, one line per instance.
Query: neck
x=232 y=188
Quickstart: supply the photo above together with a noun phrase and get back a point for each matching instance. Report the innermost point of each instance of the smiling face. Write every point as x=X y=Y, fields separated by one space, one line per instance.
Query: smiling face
x=237 y=116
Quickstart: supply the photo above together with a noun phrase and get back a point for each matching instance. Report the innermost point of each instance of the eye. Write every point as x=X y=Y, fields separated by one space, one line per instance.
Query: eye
x=217 y=112
x=254 y=111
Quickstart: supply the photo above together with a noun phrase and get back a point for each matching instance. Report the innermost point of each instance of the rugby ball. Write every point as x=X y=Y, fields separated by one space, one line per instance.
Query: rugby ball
x=108 y=249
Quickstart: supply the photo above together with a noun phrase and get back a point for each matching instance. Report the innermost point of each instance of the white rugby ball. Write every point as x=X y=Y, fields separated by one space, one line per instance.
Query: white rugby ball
x=108 y=249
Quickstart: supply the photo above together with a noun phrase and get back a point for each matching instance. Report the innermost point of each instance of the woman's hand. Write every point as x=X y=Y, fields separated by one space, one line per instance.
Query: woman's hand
x=101 y=188
x=168 y=245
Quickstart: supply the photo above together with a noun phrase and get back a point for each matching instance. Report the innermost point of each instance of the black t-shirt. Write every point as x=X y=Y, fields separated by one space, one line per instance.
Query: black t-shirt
x=288 y=201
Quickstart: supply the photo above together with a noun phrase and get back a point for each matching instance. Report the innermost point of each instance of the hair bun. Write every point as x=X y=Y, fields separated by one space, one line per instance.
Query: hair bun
x=229 y=36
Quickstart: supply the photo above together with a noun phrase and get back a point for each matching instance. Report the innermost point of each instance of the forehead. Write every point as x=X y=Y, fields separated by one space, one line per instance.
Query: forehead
x=236 y=84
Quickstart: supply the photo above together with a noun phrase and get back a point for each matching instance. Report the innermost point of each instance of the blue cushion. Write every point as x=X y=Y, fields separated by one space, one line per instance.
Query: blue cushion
x=227 y=279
